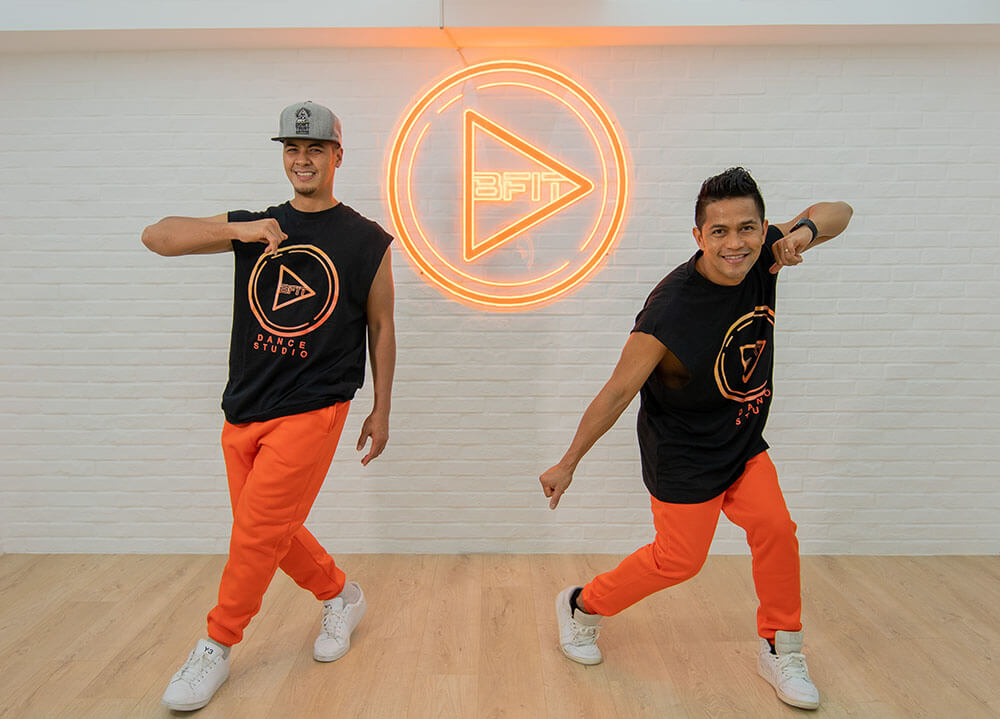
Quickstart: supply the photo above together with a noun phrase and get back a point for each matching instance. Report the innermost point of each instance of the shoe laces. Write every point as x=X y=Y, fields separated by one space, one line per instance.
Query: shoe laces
x=585 y=634
x=197 y=666
x=793 y=665
x=333 y=621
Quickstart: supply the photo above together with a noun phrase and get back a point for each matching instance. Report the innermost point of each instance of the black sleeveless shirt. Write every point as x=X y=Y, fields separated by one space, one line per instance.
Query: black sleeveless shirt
x=299 y=324
x=695 y=440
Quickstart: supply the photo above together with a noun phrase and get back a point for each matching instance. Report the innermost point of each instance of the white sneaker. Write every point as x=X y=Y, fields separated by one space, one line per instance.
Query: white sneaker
x=786 y=671
x=339 y=619
x=194 y=683
x=578 y=631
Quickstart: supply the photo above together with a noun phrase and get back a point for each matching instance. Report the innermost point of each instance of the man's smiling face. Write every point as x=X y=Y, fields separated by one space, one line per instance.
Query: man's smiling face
x=311 y=164
x=730 y=239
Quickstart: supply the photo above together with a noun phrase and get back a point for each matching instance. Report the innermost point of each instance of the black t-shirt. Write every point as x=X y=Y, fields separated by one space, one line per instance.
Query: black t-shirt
x=695 y=440
x=299 y=323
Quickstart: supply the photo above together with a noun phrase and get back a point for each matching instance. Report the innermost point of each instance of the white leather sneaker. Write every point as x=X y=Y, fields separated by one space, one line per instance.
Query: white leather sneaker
x=340 y=618
x=578 y=631
x=194 y=684
x=786 y=671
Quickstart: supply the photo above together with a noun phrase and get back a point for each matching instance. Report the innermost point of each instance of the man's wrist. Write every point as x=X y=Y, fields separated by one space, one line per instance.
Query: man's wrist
x=806 y=222
x=569 y=465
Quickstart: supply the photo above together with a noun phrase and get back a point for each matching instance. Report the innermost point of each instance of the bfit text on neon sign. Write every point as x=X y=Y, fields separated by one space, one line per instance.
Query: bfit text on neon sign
x=504 y=186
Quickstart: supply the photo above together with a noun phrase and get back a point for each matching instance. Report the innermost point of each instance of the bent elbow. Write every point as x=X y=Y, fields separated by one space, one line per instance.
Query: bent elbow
x=149 y=240
x=155 y=242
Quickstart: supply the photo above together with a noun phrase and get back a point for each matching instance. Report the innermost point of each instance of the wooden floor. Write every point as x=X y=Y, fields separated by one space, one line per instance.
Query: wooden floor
x=474 y=636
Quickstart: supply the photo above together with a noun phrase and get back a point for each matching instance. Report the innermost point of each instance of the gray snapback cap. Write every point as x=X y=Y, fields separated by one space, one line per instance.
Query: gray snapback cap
x=308 y=121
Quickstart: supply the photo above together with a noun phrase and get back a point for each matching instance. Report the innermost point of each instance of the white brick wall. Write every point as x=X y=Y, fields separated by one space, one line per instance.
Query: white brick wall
x=883 y=428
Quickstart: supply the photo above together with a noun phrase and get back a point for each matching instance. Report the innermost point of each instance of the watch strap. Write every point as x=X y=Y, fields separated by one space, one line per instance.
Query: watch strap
x=805 y=221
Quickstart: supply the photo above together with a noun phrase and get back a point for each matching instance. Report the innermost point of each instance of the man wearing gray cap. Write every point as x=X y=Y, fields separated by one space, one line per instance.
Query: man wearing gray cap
x=313 y=286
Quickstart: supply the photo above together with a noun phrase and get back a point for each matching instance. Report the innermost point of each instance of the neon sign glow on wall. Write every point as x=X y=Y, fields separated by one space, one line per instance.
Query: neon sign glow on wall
x=507 y=184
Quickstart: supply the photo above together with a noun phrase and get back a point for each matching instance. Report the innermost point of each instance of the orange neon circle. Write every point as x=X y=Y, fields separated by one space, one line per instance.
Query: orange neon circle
x=456 y=282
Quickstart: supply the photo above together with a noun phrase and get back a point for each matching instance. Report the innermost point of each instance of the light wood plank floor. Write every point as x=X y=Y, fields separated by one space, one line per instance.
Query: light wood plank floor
x=473 y=637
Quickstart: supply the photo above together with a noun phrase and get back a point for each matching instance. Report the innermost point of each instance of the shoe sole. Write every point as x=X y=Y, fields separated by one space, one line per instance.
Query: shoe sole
x=797 y=703
x=186 y=707
x=581 y=660
x=177 y=707
x=325 y=659
x=578 y=660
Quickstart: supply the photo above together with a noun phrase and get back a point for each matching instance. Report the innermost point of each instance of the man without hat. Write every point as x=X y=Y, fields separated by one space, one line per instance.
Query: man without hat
x=701 y=354
x=313 y=285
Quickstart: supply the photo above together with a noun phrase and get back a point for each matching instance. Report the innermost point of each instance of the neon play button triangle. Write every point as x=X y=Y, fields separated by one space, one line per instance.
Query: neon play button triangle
x=474 y=248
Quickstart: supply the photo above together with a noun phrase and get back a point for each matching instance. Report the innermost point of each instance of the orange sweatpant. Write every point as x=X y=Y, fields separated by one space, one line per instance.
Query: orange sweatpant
x=683 y=535
x=275 y=470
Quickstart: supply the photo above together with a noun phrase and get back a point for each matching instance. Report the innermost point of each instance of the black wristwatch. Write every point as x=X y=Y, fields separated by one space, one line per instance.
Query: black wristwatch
x=805 y=221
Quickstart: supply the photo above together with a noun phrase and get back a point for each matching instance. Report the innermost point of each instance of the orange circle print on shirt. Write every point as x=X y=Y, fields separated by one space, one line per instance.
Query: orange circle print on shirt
x=507 y=184
x=293 y=290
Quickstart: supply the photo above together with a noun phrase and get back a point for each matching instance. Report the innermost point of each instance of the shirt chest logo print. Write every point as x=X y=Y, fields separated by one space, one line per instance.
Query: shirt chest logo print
x=293 y=291
x=750 y=356
x=739 y=359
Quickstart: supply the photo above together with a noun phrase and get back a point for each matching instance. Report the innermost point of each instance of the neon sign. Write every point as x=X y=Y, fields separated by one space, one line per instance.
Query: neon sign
x=507 y=184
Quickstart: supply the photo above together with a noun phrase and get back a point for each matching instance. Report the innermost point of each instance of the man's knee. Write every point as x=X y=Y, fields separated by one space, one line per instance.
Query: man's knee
x=677 y=566
x=773 y=528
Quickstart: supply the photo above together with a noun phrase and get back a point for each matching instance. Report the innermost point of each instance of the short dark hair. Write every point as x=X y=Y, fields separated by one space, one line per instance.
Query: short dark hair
x=734 y=182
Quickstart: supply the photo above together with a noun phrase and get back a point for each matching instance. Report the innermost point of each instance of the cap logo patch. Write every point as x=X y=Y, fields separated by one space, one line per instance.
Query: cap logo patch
x=302 y=122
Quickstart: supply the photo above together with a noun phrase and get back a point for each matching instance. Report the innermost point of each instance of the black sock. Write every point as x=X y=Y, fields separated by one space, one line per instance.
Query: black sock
x=573 y=606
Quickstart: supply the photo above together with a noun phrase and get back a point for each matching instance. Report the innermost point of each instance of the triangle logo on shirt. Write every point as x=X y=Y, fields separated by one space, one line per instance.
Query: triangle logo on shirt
x=750 y=355
x=291 y=289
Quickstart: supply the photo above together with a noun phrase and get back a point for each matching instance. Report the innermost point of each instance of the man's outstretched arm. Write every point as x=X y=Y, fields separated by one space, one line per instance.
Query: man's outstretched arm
x=173 y=236
x=640 y=356
x=829 y=218
x=382 y=352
